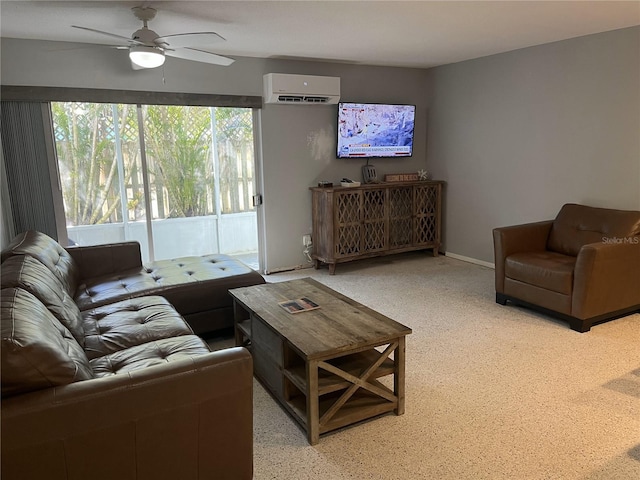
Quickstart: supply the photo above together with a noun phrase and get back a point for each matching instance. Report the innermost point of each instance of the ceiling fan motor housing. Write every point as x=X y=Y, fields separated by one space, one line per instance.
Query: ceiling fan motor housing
x=146 y=36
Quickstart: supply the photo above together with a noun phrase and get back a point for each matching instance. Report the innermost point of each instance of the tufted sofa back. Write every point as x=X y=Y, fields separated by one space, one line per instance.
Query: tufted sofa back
x=27 y=273
x=48 y=252
x=37 y=350
x=579 y=225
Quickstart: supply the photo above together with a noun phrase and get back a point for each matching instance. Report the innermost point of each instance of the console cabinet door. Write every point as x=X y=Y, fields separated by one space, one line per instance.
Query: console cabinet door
x=400 y=217
x=348 y=223
x=427 y=215
x=375 y=220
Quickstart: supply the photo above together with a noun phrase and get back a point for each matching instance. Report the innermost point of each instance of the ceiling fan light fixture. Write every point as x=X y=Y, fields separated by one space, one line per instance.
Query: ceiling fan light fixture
x=146 y=57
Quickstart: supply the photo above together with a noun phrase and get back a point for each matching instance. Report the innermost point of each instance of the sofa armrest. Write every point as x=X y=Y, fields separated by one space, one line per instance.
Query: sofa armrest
x=528 y=237
x=190 y=418
x=606 y=278
x=97 y=260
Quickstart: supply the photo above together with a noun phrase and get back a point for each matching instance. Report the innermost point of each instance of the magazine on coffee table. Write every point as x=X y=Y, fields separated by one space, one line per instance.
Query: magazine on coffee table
x=299 y=305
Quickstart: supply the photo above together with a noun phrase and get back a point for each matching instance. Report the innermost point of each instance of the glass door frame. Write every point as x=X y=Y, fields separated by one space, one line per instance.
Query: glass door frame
x=58 y=201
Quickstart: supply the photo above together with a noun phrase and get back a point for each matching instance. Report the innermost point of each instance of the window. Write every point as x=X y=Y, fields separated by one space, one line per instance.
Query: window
x=173 y=188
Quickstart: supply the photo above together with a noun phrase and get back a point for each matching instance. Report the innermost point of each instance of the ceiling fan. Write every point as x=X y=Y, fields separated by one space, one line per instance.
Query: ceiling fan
x=147 y=49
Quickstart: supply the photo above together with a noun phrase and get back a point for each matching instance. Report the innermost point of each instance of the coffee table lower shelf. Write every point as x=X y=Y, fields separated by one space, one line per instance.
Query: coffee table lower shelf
x=361 y=406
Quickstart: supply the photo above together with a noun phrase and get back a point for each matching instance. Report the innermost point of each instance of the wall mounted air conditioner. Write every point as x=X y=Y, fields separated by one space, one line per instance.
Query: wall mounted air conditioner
x=285 y=88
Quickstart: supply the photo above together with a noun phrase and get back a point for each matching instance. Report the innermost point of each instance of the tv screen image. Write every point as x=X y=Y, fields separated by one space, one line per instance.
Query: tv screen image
x=375 y=130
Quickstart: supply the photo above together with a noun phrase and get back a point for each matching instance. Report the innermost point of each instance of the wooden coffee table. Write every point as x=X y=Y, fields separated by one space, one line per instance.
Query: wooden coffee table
x=322 y=365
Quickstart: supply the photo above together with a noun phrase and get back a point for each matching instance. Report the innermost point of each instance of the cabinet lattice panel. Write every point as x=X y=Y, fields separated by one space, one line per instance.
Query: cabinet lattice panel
x=348 y=207
x=374 y=213
x=426 y=200
x=400 y=217
x=348 y=240
x=371 y=220
x=349 y=216
x=425 y=230
x=426 y=211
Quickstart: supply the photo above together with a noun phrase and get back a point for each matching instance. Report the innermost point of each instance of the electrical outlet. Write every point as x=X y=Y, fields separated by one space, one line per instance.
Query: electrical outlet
x=306 y=240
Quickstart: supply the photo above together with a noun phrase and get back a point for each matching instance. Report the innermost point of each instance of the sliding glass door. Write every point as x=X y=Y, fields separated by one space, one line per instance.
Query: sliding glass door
x=177 y=179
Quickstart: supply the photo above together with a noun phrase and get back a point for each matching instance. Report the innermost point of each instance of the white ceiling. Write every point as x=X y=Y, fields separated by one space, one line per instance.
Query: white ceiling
x=392 y=33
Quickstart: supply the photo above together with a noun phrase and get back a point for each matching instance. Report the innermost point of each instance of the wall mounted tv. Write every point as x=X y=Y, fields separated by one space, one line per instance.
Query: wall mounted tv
x=368 y=130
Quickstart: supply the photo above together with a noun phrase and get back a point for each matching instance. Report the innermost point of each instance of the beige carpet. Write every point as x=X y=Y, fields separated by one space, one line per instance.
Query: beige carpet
x=493 y=392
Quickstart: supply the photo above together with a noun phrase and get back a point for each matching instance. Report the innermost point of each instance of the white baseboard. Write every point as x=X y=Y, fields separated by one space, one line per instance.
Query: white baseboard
x=287 y=269
x=470 y=260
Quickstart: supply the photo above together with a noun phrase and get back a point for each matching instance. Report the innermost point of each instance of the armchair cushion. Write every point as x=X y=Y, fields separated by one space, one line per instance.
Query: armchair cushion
x=549 y=270
x=579 y=225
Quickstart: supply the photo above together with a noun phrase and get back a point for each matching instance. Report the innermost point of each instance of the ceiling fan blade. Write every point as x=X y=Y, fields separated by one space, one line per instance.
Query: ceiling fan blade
x=112 y=35
x=200 y=56
x=84 y=46
x=199 y=39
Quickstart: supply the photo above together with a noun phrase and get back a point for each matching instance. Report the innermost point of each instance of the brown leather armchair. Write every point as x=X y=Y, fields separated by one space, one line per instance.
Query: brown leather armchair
x=583 y=267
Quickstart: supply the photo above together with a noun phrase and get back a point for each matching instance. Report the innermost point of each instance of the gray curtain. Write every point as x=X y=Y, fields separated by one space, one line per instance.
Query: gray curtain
x=27 y=170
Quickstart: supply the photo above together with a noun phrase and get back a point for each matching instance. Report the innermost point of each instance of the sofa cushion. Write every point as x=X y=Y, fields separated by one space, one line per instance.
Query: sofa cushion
x=37 y=350
x=105 y=289
x=201 y=283
x=548 y=270
x=24 y=271
x=128 y=323
x=157 y=352
x=50 y=253
x=578 y=225
x=191 y=284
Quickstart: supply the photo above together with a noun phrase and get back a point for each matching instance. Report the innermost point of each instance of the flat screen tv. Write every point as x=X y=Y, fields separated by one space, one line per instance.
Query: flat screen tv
x=367 y=130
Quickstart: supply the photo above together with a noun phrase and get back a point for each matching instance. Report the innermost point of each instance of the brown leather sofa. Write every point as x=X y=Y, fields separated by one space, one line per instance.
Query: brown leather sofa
x=583 y=267
x=117 y=390
x=97 y=275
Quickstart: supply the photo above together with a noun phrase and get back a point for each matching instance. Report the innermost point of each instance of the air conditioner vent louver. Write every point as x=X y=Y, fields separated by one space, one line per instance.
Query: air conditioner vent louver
x=289 y=98
x=302 y=99
x=301 y=89
x=316 y=99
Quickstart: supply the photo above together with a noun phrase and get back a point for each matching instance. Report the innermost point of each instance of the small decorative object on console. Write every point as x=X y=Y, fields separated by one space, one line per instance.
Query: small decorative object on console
x=325 y=184
x=347 y=182
x=401 y=177
x=369 y=174
x=424 y=175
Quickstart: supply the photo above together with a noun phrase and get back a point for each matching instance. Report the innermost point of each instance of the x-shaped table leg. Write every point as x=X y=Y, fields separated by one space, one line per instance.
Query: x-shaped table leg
x=358 y=382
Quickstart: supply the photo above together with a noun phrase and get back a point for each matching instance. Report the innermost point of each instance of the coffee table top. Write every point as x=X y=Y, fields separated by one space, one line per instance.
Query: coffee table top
x=340 y=324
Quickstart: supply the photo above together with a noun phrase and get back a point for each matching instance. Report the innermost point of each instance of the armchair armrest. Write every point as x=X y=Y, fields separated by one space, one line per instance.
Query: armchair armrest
x=96 y=260
x=528 y=237
x=190 y=418
x=606 y=278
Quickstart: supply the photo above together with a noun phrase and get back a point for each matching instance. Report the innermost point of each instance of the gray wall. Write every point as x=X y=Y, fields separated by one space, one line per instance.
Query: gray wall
x=519 y=134
x=515 y=135
x=298 y=142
